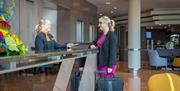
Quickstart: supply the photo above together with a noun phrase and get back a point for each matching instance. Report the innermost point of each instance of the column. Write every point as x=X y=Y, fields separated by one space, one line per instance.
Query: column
x=134 y=35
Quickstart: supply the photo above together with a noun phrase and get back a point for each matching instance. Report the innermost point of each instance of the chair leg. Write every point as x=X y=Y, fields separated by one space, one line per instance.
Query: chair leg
x=156 y=67
x=172 y=67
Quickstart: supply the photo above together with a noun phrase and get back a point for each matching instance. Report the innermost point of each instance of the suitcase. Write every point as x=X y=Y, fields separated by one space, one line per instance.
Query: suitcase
x=75 y=81
x=109 y=84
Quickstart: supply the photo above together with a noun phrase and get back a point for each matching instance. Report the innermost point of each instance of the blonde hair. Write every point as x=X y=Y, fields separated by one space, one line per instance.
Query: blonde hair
x=109 y=22
x=39 y=28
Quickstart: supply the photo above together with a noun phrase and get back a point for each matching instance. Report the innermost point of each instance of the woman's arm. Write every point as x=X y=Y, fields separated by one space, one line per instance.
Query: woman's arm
x=59 y=46
x=56 y=44
x=112 y=49
x=94 y=43
x=39 y=44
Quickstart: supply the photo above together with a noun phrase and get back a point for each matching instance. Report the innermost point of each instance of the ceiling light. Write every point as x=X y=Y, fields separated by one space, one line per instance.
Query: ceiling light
x=108 y=3
x=114 y=7
x=169 y=25
x=152 y=28
x=165 y=27
x=100 y=14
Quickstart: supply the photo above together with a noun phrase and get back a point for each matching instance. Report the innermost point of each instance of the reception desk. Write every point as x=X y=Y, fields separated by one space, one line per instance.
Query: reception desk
x=67 y=58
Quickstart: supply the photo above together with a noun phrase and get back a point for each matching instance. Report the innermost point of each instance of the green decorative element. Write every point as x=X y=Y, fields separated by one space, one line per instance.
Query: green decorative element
x=11 y=44
x=22 y=49
x=1 y=44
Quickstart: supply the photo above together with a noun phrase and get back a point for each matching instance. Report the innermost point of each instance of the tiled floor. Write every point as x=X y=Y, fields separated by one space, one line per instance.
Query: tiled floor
x=45 y=82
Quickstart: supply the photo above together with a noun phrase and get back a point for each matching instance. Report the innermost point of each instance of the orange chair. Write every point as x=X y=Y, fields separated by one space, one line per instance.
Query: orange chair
x=176 y=62
x=164 y=82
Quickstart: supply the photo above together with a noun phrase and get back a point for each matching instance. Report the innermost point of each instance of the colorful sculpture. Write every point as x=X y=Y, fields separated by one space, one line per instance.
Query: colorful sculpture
x=10 y=44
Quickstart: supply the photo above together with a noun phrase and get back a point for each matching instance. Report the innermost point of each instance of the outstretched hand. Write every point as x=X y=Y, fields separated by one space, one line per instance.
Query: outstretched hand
x=92 y=46
x=71 y=45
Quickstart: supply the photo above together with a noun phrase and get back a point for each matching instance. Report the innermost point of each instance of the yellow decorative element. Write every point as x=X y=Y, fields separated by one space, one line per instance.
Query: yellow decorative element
x=164 y=82
x=176 y=62
x=2 y=18
x=5 y=32
x=16 y=39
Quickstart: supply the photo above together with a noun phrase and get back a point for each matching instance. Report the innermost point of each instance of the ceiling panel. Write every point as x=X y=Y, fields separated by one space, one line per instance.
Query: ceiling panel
x=122 y=6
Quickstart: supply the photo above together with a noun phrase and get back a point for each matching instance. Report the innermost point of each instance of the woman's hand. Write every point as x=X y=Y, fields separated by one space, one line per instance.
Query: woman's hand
x=71 y=45
x=109 y=70
x=92 y=46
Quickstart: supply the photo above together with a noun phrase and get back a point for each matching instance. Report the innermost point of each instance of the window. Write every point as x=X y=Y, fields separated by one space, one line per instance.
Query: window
x=80 y=31
x=91 y=33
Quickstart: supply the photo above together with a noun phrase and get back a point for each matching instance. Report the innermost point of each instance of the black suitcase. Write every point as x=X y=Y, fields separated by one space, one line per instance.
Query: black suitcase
x=109 y=84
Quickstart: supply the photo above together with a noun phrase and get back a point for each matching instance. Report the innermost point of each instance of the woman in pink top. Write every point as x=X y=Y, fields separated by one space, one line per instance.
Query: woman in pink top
x=107 y=45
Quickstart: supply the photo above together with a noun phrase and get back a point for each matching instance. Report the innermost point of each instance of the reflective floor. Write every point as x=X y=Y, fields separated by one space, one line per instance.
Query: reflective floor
x=45 y=81
x=139 y=82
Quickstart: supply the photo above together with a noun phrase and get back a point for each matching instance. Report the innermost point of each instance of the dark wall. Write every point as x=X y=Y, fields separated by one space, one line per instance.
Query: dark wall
x=143 y=38
x=159 y=34
x=69 y=12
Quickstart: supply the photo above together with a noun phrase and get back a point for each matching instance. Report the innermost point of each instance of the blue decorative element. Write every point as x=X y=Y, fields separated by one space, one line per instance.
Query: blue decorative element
x=8 y=18
x=0 y=12
x=2 y=39
x=1 y=6
x=4 y=1
x=6 y=9
x=5 y=47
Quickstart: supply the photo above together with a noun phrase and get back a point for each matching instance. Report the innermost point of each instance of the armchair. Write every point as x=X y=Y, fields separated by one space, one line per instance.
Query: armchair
x=164 y=82
x=156 y=60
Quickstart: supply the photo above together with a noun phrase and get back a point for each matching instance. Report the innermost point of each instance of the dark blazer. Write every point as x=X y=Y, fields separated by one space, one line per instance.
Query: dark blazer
x=42 y=45
x=108 y=51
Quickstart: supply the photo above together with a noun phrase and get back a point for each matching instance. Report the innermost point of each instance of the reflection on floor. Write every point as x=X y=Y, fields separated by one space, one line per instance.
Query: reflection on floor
x=45 y=82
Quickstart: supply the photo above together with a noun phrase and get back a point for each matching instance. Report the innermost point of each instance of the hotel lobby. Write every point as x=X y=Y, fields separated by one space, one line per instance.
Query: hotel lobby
x=148 y=44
